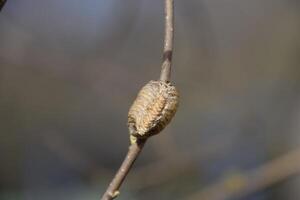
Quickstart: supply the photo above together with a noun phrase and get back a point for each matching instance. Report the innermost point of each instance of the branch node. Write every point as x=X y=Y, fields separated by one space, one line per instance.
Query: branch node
x=115 y=194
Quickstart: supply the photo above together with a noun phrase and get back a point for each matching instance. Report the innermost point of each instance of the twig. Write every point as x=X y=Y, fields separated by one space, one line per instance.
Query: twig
x=243 y=184
x=136 y=147
x=113 y=188
x=165 y=74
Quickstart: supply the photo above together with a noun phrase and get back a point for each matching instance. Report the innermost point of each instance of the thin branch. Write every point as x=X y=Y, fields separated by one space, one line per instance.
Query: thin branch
x=165 y=74
x=113 y=188
x=137 y=146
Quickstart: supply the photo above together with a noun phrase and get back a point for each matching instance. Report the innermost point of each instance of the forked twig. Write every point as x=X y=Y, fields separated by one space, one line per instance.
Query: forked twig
x=137 y=146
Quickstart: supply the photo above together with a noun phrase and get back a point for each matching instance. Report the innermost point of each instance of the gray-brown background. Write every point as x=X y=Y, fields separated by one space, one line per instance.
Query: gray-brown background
x=69 y=70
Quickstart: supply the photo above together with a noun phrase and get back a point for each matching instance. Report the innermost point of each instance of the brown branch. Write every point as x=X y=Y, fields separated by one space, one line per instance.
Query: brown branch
x=165 y=74
x=137 y=146
x=113 y=188
x=243 y=184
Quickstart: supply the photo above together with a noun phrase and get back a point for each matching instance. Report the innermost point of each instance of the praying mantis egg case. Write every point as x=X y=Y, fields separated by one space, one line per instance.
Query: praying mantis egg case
x=153 y=109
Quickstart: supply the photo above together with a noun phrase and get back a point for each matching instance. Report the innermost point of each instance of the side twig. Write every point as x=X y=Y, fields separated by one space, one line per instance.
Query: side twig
x=136 y=147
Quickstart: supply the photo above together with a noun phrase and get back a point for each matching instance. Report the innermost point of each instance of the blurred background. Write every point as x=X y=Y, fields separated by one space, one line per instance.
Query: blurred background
x=69 y=70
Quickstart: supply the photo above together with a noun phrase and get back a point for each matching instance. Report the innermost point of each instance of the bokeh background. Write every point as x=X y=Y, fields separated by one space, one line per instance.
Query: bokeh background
x=70 y=69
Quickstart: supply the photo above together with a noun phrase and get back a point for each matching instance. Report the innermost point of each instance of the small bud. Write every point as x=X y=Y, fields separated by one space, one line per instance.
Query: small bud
x=153 y=109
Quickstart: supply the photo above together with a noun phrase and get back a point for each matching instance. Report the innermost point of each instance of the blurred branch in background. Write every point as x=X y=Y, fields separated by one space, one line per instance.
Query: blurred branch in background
x=242 y=184
x=2 y=2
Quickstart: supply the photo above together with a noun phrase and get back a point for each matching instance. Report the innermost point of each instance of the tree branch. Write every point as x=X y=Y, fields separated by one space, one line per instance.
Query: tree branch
x=137 y=146
x=113 y=188
x=165 y=74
